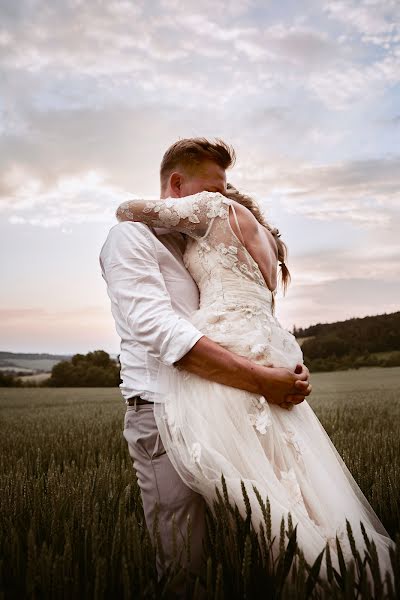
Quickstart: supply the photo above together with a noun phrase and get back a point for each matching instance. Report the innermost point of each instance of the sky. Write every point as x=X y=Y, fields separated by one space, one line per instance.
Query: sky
x=92 y=94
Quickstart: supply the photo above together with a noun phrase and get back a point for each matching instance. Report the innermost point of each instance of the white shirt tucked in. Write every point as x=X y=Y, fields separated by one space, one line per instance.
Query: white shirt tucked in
x=152 y=294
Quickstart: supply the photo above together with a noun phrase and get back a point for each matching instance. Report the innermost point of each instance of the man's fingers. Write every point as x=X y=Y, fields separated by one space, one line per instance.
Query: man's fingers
x=298 y=399
x=294 y=398
x=301 y=368
x=301 y=385
x=303 y=376
x=287 y=405
x=304 y=390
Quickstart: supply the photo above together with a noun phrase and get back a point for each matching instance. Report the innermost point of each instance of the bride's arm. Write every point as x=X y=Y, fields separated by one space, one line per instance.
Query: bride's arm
x=189 y=214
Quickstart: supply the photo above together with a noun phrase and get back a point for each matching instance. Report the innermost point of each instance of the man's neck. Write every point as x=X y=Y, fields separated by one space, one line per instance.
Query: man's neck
x=162 y=230
x=175 y=237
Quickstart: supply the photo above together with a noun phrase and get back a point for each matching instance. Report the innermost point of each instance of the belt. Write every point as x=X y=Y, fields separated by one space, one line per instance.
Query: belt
x=138 y=400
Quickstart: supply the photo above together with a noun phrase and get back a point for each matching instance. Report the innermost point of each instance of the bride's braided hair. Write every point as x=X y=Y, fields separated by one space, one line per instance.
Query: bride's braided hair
x=252 y=205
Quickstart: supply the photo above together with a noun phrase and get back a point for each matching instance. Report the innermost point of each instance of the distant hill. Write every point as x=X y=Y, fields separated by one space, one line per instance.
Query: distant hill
x=29 y=363
x=95 y=369
x=361 y=341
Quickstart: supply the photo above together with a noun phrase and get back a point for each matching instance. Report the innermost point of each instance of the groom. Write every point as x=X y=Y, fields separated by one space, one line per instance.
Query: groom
x=152 y=295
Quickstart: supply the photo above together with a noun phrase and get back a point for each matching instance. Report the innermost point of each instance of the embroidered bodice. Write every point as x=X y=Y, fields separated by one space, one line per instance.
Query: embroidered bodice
x=212 y=248
x=234 y=297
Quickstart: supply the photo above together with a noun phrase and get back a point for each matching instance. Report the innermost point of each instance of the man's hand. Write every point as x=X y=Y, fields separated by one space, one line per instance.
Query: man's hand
x=285 y=387
x=292 y=399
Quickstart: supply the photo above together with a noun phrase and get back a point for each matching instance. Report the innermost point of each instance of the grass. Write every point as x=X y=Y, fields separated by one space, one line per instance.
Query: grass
x=71 y=520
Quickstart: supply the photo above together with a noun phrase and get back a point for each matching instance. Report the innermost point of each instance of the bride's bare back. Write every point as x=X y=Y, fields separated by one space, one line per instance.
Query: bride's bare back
x=259 y=242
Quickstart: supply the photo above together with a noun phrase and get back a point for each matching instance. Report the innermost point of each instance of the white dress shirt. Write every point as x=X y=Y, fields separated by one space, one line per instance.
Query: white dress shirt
x=152 y=294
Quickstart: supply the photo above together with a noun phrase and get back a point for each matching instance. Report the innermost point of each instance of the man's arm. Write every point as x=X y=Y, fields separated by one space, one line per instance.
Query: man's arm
x=133 y=276
x=279 y=385
x=131 y=270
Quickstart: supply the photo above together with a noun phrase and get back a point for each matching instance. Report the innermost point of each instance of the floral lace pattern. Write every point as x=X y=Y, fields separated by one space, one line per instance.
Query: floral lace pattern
x=195 y=211
x=289 y=481
x=195 y=452
x=170 y=214
x=203 y=217
x=295 y=443
x=260 y=420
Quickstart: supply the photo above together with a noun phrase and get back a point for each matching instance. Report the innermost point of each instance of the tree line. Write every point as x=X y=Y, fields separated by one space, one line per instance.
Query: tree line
x=95 y=369
x=353 y=343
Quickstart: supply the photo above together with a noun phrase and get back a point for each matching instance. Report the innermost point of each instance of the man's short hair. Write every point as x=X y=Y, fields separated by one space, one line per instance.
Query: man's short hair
x=189 y=153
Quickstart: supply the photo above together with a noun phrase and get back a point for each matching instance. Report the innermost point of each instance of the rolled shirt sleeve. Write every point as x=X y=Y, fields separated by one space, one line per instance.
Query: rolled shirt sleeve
x=130 y=267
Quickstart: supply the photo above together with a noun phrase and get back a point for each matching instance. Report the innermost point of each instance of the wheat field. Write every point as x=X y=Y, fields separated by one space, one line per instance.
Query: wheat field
x=71 y=521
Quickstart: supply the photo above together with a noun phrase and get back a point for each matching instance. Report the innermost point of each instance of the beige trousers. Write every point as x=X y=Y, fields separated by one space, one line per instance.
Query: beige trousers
x=160 y=483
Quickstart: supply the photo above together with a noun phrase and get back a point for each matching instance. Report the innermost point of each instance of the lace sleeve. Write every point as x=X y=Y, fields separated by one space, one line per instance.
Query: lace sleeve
x=191 y=214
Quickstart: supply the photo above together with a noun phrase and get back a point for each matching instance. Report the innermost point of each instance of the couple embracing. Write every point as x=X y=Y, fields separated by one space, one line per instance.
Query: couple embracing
x=213 y=383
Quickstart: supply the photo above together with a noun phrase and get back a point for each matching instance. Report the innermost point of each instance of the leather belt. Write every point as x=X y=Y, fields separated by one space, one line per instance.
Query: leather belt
x=138 y=400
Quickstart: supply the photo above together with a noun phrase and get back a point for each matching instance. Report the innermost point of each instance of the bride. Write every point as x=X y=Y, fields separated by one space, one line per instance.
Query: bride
x=208 y=428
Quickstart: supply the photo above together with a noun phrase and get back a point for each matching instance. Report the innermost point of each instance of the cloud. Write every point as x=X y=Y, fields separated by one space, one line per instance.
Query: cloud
x=64 y=331
x=365 y=192
x=162 y=49
x=336 y=300
x=339 y=87
x=76 y=200
x=377 y=22
x=368 y=262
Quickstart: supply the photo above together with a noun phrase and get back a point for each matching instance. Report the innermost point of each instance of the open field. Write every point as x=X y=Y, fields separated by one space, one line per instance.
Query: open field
x=71 y=523
x=35 y=379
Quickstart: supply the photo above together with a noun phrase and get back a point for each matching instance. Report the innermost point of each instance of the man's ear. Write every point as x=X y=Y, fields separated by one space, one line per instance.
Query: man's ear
x=175 y=183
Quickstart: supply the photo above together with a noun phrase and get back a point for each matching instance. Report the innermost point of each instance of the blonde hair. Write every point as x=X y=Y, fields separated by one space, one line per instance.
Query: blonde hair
x=189 y=153
x=253 y=206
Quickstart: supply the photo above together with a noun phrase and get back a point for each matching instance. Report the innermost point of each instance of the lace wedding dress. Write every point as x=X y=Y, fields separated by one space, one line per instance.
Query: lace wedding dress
x=209 y=428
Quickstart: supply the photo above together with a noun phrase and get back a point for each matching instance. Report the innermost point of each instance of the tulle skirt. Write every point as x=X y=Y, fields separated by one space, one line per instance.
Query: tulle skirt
x=209 y=429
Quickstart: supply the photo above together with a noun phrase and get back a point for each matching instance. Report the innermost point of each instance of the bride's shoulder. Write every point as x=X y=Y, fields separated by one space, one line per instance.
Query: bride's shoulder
x=241 y=215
